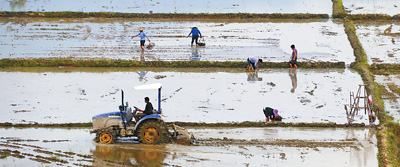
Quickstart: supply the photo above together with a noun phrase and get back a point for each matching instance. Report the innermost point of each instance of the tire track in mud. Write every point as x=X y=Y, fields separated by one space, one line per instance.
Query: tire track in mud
x=216 y=142
x=10 y=147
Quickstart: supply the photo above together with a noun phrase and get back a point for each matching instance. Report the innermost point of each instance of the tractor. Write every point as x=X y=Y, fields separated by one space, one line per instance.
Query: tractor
x=149 y=129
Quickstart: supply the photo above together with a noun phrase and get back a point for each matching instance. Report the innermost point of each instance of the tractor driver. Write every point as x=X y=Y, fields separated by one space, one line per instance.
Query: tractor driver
x=147 y=111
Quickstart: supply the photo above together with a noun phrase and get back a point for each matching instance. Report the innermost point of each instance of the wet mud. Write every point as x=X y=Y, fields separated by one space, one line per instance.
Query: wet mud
x=390 y=91
x=389 y=7
x=380 y=40
x=214 y=146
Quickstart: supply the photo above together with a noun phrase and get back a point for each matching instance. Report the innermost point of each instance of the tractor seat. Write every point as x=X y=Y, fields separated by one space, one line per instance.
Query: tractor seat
x=129 y=115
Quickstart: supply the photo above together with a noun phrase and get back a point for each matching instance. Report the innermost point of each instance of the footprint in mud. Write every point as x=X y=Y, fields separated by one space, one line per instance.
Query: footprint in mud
x=283 y=156
x=304 y=101
x=160 y=76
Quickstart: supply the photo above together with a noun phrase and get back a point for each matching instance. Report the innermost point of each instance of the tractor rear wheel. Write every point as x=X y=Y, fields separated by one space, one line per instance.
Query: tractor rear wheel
x=153 y=132
x=105 y=136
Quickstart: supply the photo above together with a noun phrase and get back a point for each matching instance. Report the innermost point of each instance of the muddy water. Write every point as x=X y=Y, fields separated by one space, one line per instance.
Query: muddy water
x=215 y=147
x=324 y=40
x=379 y=46
x=172 y=6
x=188 y=95
x=390 y=7
x=391 y=97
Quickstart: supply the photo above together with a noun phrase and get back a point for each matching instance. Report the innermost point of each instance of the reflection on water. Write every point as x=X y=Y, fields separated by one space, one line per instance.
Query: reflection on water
x=138 y=154
x=253 y=76
x=293 y=78
x=142 y=55
x=195 y=54
x=17 y=4
x=360 y=156
x=142 y=75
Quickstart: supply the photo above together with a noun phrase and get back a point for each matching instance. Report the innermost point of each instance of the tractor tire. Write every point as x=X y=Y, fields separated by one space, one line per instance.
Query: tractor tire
x=153 y=132
x=106 y=136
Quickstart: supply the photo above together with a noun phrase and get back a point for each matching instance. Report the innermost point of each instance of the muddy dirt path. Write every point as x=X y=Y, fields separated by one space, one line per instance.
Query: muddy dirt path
x=323 y=40
x=203 y=95
x=216 y=146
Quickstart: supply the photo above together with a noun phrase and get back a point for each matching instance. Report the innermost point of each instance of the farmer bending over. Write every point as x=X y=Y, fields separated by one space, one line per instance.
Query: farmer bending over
x=254 y=62
x=195 y=35
x=270 y=113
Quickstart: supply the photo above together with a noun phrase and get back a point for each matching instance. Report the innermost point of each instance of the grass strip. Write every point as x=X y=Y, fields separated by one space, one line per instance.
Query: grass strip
x=388 y=131
x=69 y=14
x=56 y=62
x=338 y=9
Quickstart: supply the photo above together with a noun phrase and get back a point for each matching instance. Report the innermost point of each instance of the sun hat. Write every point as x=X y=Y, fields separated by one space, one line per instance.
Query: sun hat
x=140 y=28
x=275 y=111
x=194 y=26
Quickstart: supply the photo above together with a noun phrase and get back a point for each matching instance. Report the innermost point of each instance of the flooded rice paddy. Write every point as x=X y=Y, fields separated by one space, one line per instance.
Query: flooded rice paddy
x=391 y=93
x=172 y=6
x=188 y=95
x=215 y=147
x=322 y=40
x=389 y=7
x=379 y=46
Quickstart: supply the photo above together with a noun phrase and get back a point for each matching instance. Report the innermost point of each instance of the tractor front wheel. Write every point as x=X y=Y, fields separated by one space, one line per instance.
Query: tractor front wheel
x=153 y=132
x=105 y=136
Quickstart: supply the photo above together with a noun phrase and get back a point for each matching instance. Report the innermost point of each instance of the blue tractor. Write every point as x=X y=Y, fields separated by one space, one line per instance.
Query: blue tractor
x=149 y=129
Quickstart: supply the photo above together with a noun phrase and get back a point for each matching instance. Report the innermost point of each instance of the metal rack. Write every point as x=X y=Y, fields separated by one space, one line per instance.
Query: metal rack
x=359 y=101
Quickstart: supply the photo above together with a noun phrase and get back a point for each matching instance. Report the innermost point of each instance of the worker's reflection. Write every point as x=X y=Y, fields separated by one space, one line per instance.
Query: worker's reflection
x=195 y=54
x=293 y=77
x=142 y=55
x=136 y=155
x=253 y=76
x=142 y=75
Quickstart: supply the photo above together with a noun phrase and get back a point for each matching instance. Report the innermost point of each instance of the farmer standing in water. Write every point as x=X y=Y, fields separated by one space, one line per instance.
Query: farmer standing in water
x=293 y=59
x=195 y=32
x=143 y=37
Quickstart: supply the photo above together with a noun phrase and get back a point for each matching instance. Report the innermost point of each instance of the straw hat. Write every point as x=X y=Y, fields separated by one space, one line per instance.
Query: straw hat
x=140 y=29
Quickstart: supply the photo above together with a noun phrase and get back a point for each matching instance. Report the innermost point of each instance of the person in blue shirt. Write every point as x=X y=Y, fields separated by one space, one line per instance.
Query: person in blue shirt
x=143 y=37
x=195 y=35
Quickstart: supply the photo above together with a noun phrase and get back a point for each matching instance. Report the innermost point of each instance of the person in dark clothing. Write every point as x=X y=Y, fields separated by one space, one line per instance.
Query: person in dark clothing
x=147 y=111
x=270 y=113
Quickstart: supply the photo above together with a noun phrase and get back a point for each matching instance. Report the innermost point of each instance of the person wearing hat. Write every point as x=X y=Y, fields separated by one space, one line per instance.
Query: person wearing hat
x=195 y=35
x=270 y=113
x=293 y=59
x=143 y=37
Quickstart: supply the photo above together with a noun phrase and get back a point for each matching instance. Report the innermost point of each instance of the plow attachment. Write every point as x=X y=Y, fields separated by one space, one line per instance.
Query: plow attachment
x=182 y=136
